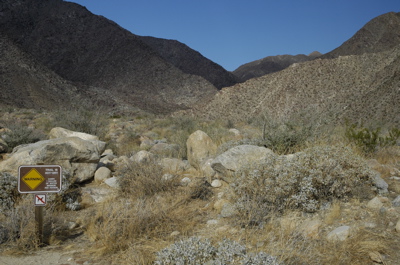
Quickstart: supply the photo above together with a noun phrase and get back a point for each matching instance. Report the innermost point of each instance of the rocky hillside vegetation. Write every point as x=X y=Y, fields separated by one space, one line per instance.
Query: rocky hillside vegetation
x=357 y=88
x=147 y=190
x=380 y=34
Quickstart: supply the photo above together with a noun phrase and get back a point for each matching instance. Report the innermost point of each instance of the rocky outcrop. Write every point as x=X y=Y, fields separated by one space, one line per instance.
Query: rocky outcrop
x=77 y=157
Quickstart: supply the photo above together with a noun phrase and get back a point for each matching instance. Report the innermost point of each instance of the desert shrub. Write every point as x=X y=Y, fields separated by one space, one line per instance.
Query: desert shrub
x=82 y=118
x=17 y=229
x=195 y=250
x=369 y=139
x=8 y=191
x=304 y=181
x=18 y=133
x=143 y=179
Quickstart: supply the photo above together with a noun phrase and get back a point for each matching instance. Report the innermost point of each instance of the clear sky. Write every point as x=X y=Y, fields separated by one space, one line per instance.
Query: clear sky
x=235 y=32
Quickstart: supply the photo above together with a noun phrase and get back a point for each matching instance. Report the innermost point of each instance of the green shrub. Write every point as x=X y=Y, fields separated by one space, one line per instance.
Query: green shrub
x=305 y=181
x=371 y=139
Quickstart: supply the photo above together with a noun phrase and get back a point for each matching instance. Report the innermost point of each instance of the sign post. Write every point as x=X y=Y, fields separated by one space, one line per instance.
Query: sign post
x=39 y=179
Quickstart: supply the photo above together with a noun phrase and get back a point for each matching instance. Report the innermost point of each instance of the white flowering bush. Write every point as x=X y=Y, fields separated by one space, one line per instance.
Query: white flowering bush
x=304 y=180
x=195 y=250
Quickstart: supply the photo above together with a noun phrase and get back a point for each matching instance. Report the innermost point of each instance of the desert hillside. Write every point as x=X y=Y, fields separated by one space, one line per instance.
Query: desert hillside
x=356 y=87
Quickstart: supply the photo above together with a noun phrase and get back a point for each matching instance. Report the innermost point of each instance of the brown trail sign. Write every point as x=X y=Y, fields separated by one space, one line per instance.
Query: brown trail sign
x=39 y=179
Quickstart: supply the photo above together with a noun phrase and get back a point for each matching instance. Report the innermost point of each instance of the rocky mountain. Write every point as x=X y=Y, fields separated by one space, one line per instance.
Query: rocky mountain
x=93 y=52
x=379 y=34
x=26 y=83
x=190 y=61
x=270 y=64
x=356 y=87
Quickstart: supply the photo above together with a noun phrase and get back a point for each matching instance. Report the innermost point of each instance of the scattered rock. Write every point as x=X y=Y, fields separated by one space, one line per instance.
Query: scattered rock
x=375 y=203
x=398 y=226
x=174 y=165
x=379 y=182
x=238 y=157
x=112 y=182
x=143 y=157
x=396 y=202
x=59 y=132
x=216 y=183
x=199 y=147
x=310 y=228
x=165 y=150
x=185 y=181
x=102 y=174
x=375 y=257
x=228 y=210
x=339 y=234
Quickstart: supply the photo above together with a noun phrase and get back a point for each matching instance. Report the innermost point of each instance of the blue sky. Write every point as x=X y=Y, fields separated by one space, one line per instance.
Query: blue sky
x=235 y=32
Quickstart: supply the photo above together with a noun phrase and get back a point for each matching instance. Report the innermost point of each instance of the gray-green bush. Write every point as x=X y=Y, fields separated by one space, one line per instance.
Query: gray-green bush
x=8 y=192
x=305 y=181
x=194 y=250
x=18 y=133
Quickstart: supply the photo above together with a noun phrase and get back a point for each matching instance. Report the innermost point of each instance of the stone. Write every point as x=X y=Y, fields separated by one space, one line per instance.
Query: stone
x=165 y=150
x=199 y=147
x=112 y=182
x=206 y=169
x=310 y=228
x=339 y=234
x=143 y=157
x=102 y=174
x=379 y=182
x=239 y=156
x=398 y=226
x=375 y=257
x=212 y=222
x=375 y=203
x=174 y=165
x=396 y=202
x=228 y=210
x=216 y=183
x=77 y=157
x=185 y=181
x=59 y=132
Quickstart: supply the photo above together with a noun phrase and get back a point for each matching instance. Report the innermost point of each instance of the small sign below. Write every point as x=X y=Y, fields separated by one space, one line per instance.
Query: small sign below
x=40 y=199
x=39 y=178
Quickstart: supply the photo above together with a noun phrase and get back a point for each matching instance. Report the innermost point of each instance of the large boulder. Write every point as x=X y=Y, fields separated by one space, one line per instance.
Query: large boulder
x=59 y=132
x=77 y=157
x=199 y=147
x=237 y=157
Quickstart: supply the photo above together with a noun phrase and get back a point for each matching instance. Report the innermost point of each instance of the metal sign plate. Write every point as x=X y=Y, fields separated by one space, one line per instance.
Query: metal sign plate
x=39 y=178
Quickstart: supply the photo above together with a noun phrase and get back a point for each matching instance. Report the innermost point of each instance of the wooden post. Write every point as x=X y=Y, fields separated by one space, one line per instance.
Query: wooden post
x=39 y=223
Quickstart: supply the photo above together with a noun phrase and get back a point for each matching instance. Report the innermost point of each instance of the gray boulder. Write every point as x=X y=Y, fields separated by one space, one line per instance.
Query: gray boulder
x=165 y=150
x=77 y=157
x=237 y=157
x=199 y=147
x=59 y=132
